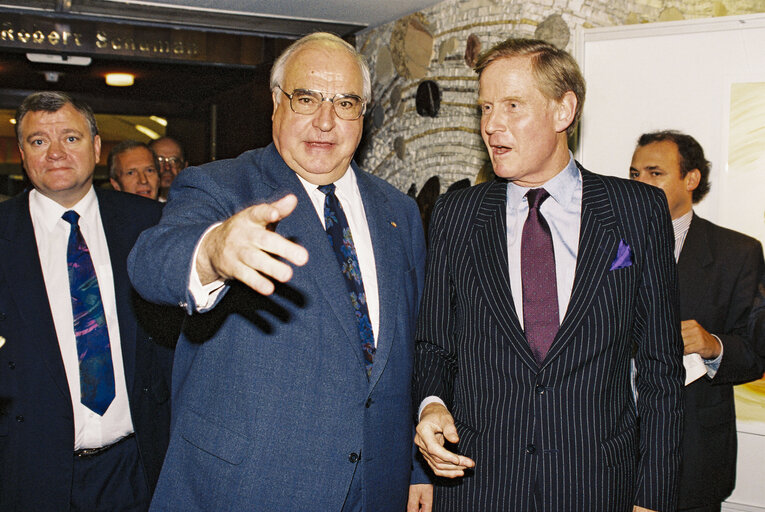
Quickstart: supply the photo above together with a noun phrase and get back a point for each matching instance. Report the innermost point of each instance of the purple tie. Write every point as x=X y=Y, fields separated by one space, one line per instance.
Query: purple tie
x=540 y=292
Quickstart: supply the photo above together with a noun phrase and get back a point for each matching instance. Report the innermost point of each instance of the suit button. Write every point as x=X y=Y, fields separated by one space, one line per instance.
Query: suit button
x=369 y=403
x=20 y=418
x=2 y=316
x=353 y=458
x=11 y=365
x=531 y=449
x=540 y=389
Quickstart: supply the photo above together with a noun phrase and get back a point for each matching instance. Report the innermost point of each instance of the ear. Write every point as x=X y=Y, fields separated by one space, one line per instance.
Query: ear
x=115 y=184
x=692 y=180
x=97 y=147
x=565 y=110
x=275 y=100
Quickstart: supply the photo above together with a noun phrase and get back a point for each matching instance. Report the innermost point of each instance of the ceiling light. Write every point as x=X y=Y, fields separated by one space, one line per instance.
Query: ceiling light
x=52 y=76
x=120 y=79
x=159 y=120
x=12 y=120
x=49 y=58
x=147 y=131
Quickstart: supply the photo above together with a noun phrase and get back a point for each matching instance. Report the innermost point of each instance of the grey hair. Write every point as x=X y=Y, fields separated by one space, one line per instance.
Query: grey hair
x=53 y=101
x=127 y=145
x=278 y=69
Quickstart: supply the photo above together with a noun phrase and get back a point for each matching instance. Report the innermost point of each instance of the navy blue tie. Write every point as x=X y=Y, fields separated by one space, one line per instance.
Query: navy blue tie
x=93 y=348
x=540 y=291
x=339 y=235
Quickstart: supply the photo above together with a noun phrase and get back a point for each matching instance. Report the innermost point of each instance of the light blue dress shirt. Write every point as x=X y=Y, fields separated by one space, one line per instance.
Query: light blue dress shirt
x=563 y=213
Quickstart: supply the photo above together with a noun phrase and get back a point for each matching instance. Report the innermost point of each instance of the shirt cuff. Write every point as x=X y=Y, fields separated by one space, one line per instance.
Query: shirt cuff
x=204 y=295
x=427 y=401
x=714 y=364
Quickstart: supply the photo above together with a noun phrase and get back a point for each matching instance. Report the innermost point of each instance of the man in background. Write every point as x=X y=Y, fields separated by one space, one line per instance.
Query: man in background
x=133 y=168
x=718 y=271
x=538 y=285
x=292 y=385
x=172 y=160
x=84 y=392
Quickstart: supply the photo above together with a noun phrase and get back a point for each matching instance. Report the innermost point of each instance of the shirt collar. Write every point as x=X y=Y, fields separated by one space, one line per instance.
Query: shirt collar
x=562 y=187
x=681 y=224
x=344 y=186
x=50 y=211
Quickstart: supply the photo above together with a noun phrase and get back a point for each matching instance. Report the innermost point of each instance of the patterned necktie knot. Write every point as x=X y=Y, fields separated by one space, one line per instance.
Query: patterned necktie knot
x=536 y=196
x=72 y=217
x=327 y=189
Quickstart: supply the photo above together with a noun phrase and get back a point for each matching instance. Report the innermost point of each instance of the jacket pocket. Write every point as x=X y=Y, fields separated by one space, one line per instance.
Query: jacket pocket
x=620 y=448
x=212 y=438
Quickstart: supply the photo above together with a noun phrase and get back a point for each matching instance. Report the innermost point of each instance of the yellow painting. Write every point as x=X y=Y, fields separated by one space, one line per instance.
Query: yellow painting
x=746 y=174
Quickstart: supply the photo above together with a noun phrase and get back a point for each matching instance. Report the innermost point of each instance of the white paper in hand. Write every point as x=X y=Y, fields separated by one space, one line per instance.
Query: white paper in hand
x=694 y=368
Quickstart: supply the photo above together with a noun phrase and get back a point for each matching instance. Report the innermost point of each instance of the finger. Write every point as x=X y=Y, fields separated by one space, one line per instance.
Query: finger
x=450 y=433
x=265 y=249
x=267 y=213
x=254 y=280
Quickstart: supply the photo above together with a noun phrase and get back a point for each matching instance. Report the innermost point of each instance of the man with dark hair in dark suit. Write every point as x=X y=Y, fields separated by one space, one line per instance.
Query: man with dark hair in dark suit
x=718 y=273
x=84 y=392
x=538 y=286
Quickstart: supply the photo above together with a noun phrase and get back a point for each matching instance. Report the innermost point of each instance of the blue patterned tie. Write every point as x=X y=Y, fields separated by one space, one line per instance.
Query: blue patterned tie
x=93 y=349
x=339 y=235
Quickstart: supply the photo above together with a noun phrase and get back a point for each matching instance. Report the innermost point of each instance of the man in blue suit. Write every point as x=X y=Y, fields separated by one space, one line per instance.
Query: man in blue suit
x=539 y=284
x=292 y=386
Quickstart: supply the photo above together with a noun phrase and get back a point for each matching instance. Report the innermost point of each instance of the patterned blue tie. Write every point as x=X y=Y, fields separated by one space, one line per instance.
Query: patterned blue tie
x=339 y=235
x=93 y=349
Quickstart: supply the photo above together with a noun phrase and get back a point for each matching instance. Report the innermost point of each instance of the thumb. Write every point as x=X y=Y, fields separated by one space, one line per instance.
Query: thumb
x=450 y=433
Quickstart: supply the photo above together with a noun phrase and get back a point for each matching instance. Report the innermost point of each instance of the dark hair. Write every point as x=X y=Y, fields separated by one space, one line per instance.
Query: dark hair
x=691 y=157
x=555 y=70
x=53 y=101
x=127 y=145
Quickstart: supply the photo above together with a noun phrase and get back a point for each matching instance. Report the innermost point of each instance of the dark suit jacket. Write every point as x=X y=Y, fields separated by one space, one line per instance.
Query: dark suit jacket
x=36 y=420
x=565 y=436
x=272 y=409
x=757 y=323
x=718 y=274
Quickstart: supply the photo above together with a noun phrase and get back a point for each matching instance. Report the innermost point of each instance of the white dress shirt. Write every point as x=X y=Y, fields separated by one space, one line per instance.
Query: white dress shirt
x=52 y=236
x=347 y=192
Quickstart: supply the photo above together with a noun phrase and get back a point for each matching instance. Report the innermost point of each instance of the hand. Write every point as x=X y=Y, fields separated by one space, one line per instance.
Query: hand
x=420 y=498
x=437 y=426
x=698 y=341
x=244 y=248
x=641 y=509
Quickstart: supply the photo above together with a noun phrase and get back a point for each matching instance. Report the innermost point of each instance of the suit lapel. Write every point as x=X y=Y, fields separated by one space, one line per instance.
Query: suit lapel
x=695 y=257
x=113 y=221
x=597 y=248
x=385 y=243
x=488 y=249
x=30 y=296
x=304 y=227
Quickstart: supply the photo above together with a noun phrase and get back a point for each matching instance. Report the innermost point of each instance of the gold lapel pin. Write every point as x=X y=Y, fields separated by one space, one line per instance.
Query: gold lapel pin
x=393 y=224
x=2 y=341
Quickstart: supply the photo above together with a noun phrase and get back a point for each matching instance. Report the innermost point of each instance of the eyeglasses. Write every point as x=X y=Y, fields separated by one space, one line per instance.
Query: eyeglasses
x=172 y=161
x=348 y=107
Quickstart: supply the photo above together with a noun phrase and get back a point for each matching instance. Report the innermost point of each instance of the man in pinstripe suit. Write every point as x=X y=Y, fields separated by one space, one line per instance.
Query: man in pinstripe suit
x=548 y=422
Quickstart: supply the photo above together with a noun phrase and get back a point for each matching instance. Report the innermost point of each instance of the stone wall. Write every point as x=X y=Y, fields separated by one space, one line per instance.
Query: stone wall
x=440 y=44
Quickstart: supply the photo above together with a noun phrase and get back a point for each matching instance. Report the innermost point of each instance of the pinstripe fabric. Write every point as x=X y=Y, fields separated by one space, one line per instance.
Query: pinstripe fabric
x=563 y=436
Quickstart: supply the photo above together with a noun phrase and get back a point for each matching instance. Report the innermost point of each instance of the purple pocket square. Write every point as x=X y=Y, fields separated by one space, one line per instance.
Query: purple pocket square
x=623 y=256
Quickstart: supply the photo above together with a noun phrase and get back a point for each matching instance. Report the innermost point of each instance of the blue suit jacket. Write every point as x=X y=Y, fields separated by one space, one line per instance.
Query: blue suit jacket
x=272 y=408
x=36 y=419
x=562 y=436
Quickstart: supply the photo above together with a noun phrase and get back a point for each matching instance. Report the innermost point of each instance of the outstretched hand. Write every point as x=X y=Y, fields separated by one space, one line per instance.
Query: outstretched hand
x=244 y=248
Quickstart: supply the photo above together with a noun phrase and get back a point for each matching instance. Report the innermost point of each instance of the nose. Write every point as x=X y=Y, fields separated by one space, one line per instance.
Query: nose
x=56 y=150
x=324 y=119
x=142 y=177
x=492 y=122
